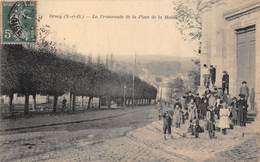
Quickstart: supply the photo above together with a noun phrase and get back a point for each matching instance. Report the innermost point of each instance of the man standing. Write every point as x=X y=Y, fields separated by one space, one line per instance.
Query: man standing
x=212 y=71
x=198 y=102
x=244 y=90
x=190 y=97
x=242 y=110
x=177 y=103
x=203 y=108
x=206 y=75
x=193 y=111
x=225 y=82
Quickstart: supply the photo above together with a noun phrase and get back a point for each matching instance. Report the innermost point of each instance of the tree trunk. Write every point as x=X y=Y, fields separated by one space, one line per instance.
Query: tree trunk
x=11 y=97
x=109 y=102
x=73 y=102
x=26 y=104
x=99 y=102
x=55 y=103
x=89 y=101
x=82 y=102
x=34 y=102
x=70 y=100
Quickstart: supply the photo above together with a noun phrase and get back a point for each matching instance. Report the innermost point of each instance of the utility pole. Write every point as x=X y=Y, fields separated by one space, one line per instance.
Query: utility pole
x=161 y=96
x=124 y=96
x=134 y=68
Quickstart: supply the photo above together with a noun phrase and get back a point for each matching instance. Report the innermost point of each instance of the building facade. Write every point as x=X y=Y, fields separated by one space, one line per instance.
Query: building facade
x=231 y=42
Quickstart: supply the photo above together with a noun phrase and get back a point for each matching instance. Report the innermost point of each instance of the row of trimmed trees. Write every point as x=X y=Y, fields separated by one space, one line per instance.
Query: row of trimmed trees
x=29 y=72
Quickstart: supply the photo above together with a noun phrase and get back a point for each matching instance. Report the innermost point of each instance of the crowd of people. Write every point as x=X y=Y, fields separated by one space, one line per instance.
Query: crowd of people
x=215 y=106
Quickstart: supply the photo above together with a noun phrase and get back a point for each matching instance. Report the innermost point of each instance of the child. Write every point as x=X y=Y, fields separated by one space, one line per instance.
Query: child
x=234 y=111
x=196 y=128
x=242 y=110
x=167 y=123
x=210 y=117
x=224 y=121
x=160 y=111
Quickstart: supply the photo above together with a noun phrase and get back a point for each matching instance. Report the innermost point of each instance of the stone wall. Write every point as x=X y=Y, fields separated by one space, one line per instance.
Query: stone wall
x=219 y=38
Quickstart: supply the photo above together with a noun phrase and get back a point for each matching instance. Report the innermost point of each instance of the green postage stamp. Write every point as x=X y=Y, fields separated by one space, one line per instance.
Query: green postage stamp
x=19 y=22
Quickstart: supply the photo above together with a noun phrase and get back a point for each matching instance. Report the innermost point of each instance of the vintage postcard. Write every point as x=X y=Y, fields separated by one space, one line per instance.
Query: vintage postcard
x=130 y=80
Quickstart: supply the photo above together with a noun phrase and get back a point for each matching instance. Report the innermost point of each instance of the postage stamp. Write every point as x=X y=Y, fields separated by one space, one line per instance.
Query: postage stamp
x=18 y=22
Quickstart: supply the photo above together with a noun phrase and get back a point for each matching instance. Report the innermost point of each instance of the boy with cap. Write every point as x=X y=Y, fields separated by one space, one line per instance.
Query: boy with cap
x=167 y=123
x=210 y=117
x=242 y=110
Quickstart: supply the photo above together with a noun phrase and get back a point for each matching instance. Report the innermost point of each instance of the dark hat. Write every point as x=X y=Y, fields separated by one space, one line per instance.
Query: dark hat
x=242 y=95
x=244 y=82
x=234 y=98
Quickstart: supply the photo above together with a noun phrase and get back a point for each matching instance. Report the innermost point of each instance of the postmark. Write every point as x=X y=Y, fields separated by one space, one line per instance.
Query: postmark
x=19 y=22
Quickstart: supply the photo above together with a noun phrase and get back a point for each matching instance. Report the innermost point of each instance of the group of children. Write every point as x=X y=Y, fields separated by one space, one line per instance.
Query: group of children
x=217 y=109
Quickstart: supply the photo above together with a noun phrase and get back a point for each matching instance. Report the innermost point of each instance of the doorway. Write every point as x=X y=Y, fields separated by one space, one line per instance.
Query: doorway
x=246 y=56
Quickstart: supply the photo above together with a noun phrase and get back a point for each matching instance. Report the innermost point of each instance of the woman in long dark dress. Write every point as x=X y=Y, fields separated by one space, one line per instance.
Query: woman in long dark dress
x=203 y=108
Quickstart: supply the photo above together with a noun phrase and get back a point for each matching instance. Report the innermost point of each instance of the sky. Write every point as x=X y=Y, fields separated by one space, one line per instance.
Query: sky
x=101 y=36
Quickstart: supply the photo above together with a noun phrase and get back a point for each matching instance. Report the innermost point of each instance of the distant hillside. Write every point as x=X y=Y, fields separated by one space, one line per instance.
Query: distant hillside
x=156 y=64
x=152 y=66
